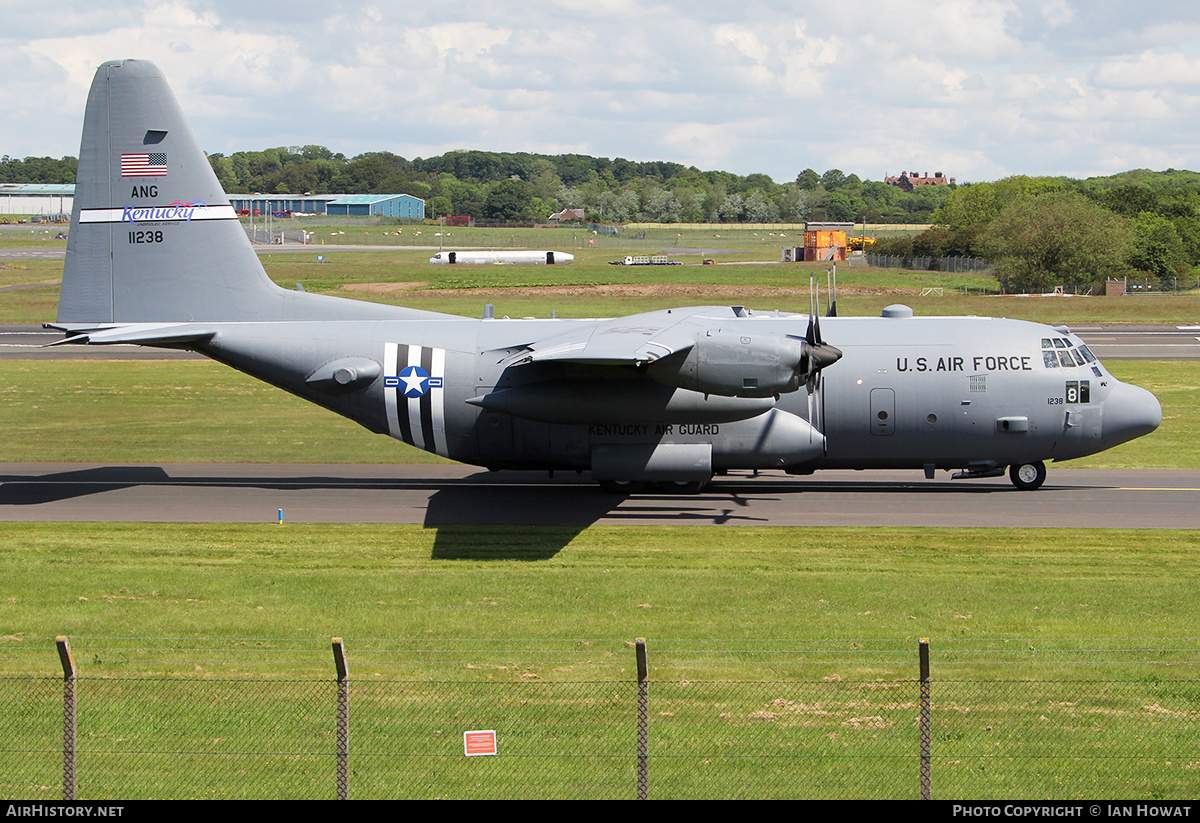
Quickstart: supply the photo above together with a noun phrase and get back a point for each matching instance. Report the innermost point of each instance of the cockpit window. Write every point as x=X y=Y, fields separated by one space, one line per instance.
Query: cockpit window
x=1058 y=352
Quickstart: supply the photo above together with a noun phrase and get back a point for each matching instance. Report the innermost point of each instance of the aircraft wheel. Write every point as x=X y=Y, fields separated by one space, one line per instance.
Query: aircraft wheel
x=622 y=487
x=683 y=486
x=1028 y=476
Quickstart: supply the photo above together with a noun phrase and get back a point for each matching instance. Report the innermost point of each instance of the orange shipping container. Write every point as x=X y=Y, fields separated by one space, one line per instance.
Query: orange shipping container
x=824 y=245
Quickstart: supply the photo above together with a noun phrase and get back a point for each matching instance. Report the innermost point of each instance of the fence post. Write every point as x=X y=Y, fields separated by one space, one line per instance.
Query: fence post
x=923 y=651
x=643 y=722
x=343 y=720
x=68 y=663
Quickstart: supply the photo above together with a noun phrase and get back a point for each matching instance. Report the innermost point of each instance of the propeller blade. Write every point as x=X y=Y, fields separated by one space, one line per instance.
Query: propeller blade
x=811 y=423
x=816 y=315
x=810 y=334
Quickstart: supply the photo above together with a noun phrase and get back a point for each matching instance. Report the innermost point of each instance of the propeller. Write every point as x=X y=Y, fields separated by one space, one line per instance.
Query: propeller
x=817 y=354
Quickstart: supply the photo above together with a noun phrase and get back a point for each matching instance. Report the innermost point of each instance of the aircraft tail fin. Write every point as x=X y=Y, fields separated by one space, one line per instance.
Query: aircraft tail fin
x=153 y=237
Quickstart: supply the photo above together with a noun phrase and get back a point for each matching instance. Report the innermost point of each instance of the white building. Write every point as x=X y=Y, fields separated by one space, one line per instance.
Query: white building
x=45 y=199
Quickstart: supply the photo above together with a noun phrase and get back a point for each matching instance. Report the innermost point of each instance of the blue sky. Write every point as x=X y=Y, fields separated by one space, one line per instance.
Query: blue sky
x=977 y=89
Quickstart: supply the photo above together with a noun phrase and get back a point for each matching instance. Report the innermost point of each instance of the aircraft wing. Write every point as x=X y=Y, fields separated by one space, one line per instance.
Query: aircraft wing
x=639 y=338
x=141 y=334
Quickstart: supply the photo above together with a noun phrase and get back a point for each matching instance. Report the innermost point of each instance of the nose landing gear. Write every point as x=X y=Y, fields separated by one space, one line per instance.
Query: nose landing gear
x=1027 y=476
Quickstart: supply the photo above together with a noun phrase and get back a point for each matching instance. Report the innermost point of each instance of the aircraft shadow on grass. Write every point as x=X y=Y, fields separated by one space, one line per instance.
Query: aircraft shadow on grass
x=537 y=521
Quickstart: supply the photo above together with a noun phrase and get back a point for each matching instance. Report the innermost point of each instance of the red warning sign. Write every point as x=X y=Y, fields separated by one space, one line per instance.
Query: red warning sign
x=476 y=744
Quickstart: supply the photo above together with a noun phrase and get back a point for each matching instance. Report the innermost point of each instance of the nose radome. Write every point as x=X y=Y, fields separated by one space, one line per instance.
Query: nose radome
x=1129 y=412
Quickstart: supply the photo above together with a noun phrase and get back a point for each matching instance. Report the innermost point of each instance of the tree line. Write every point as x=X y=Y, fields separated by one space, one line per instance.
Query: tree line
x=1044 y=232
x=528 y=187
x=37 y=170
x=520 y=186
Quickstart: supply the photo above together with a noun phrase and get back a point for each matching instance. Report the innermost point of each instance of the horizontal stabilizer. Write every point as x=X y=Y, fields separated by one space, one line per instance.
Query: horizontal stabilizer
x=140 y=334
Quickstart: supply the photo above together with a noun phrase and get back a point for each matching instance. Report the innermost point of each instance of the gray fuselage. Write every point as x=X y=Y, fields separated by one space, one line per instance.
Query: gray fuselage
x=946 y=392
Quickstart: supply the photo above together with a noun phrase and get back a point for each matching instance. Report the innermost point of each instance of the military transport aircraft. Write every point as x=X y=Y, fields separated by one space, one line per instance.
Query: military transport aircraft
x=157 y=257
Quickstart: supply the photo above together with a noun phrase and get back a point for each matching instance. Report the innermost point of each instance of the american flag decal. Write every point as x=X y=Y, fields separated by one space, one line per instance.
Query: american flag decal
x=153 y=164
x=412 y=395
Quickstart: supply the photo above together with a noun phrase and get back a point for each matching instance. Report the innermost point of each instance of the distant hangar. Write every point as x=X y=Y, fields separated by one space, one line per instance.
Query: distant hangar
x=49 y=200
x=378 y=205
x=56 y=200
x=352 y=205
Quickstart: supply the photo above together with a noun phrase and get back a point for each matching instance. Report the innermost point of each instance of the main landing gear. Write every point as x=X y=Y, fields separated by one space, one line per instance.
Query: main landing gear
x=628 y=487
x=1027 y=476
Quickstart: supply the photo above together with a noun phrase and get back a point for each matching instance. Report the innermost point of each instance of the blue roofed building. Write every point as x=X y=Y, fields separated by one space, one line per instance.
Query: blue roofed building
x=280 y=204
x=56 y=200
x=354 y=205
x=378 y=205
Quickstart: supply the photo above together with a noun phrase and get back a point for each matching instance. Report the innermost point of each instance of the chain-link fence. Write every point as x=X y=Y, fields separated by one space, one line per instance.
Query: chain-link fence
x=925 y=263
x=591 y=719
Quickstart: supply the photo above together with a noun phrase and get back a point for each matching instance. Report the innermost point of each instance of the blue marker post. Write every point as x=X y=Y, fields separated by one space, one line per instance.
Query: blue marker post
x=281 y=517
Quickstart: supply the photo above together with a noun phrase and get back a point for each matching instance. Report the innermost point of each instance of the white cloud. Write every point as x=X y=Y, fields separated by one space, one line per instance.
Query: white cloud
x=1150 y=69
x=704 y=145
x=1058 y=13
x=971 y=87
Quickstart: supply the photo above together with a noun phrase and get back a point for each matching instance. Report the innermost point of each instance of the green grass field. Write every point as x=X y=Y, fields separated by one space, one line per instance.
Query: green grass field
x=749 y=273
x=783 y=661
x=312 y=582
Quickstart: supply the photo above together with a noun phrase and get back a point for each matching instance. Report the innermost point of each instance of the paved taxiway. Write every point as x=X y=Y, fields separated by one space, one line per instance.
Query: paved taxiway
x=435 y=495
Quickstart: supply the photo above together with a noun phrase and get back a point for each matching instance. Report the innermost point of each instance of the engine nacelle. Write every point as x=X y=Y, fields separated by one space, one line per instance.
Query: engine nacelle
x=618 y=401
x=736 y=365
